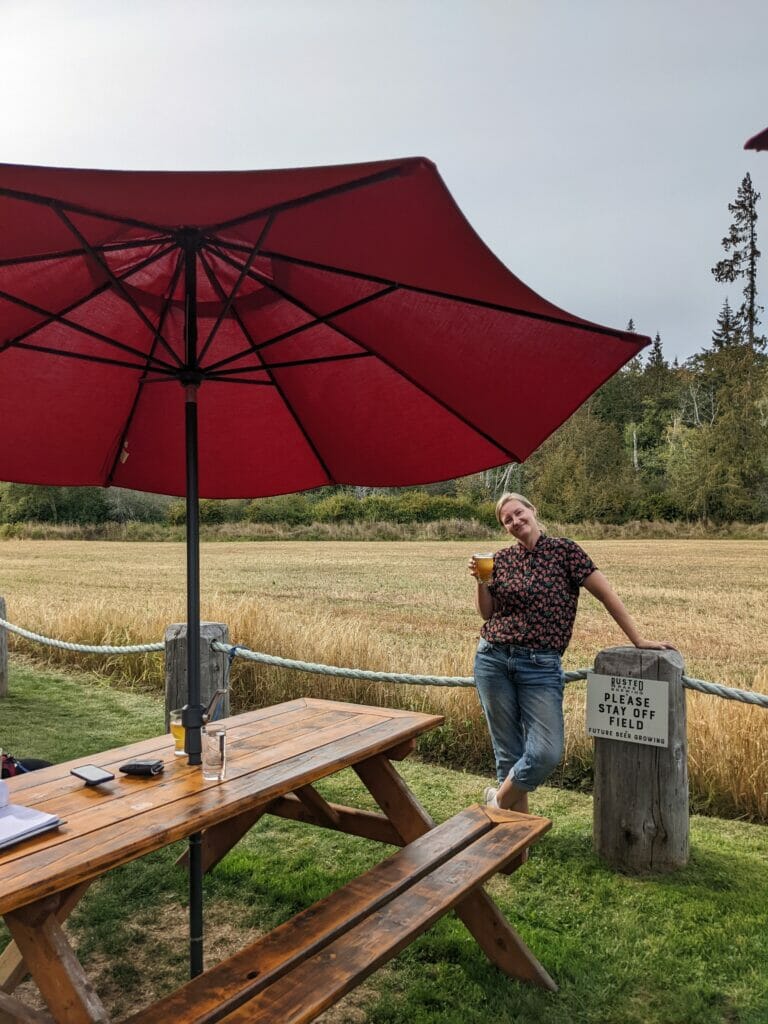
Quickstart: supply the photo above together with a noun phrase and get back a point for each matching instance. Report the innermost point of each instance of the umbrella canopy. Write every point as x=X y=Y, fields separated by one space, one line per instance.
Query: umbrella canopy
x=759 y=141
x=342 y=325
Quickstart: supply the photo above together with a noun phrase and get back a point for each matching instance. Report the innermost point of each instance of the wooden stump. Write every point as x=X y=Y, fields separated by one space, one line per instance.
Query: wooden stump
x=640 y=808
x=213 y=666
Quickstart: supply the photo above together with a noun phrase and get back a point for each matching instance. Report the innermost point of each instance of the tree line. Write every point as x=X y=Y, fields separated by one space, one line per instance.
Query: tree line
x=659 y=440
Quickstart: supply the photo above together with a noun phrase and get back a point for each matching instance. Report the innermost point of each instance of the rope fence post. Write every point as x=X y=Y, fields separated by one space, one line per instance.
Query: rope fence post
x=3 y=652
x=213 y=666
x=640 y=805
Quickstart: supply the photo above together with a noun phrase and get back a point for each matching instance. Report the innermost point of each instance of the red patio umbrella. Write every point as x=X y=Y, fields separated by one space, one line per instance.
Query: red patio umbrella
x=759 y=141
x=349 y=327
x=313 y=326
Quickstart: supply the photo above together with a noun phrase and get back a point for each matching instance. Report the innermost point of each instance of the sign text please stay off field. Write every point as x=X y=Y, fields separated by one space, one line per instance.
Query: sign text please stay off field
x=624 y=708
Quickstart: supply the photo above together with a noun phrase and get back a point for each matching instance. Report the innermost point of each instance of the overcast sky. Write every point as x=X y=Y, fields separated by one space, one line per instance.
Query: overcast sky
x=593 y=144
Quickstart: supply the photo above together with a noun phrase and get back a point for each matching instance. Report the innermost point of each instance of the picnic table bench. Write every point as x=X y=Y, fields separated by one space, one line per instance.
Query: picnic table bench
x=300 y=968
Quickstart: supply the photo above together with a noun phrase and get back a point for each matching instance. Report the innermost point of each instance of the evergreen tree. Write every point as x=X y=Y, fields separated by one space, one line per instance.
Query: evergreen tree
x=661 y=388
x=728 y=329
x=619 y=400
x=741 y=244
x=619 y=403
x=656 y=356
x=718 y=451
x=581 y=472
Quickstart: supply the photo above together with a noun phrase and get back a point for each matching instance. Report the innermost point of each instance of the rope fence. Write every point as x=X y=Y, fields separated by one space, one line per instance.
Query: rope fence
x=235 y=650
x=81 y=648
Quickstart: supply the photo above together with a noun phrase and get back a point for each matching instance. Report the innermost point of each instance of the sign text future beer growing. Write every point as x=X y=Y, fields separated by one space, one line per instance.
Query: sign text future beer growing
x=624 y=708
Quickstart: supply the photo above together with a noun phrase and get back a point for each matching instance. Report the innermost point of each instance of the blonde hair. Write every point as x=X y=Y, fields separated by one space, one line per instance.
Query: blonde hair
x=511 y=496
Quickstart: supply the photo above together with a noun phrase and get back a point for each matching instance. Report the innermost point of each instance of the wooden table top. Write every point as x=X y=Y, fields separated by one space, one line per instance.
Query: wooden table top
x=270 y=752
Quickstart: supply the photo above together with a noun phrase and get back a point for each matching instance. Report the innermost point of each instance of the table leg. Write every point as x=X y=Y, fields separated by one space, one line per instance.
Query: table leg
x=401 y=751
x=14 y=1012
x=390 y=792
x=318 y=806
x=500 y=942
x=13 y=968
x=52 y=963
x=480 y=915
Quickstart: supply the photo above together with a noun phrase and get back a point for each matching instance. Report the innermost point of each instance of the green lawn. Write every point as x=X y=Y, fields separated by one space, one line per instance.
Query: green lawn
x=687 y=949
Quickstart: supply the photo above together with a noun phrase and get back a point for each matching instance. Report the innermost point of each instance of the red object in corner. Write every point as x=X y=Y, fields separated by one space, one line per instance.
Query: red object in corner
x=759 y=141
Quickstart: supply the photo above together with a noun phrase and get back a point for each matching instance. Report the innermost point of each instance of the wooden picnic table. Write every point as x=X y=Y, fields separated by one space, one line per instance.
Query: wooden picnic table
x=274 y=757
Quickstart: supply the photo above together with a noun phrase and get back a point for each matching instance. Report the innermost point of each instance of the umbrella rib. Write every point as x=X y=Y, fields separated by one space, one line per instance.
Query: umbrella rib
x=481 y=303
x=287 y=204
x=314 y=322
x=224 y=374
x=235 y=380
x=51 y=317
x=231 y=297
x=310 y=443
x=313 y=197
x=140 y=384
x=424 y=390
x=58 y=318
x=118 y=285
x=27 y=347
x=63 y=254
x=62 y=204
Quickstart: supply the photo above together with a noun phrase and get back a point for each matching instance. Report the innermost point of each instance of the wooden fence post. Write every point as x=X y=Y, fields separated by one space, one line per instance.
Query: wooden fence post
x=3 y=652
x=640 y=806
x=213 y=666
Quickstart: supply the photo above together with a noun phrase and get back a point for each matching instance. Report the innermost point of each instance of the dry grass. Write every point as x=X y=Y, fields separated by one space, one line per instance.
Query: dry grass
x=407 y=607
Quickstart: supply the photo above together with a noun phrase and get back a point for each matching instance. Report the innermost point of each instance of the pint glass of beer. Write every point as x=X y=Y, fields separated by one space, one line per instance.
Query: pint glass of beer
x=484 y=565
x=177 y=731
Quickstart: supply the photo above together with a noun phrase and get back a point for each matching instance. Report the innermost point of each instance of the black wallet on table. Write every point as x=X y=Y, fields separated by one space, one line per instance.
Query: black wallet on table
x=142 y=767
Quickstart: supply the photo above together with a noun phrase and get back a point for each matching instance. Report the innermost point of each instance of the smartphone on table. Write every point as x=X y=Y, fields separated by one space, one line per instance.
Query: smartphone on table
x=91 y=774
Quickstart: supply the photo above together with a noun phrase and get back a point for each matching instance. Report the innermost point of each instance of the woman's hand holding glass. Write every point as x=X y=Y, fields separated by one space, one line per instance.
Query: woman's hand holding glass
x=481 y=566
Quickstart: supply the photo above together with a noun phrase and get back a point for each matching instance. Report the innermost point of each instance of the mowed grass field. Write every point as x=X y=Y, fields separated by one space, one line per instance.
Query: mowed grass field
x=407 y=607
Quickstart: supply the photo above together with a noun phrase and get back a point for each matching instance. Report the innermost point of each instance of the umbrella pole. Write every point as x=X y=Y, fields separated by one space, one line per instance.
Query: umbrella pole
x=194 y=708
x=192 y=716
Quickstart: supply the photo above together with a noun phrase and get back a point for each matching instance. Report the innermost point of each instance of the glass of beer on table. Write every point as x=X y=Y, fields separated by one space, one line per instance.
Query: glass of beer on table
x=484 y=565
x=177 y=731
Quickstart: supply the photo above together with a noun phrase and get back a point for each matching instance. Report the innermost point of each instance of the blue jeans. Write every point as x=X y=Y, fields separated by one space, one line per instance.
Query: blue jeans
x=521 y=691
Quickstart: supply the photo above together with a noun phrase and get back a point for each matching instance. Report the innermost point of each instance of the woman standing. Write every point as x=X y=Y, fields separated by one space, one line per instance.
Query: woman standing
x=529 y=607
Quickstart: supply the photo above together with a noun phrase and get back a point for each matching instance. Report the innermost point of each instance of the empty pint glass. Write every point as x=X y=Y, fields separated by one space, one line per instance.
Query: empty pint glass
x=484 y=565
x=214 y=751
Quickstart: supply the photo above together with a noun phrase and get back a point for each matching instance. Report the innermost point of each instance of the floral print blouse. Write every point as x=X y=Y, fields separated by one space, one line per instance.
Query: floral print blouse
x=536 y=593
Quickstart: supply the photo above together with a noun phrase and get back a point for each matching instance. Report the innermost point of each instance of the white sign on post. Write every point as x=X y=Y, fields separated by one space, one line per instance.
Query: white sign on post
x=623 y=708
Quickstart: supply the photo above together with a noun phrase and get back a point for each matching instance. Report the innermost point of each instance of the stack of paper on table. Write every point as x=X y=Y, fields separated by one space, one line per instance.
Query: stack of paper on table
x=18 y=822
